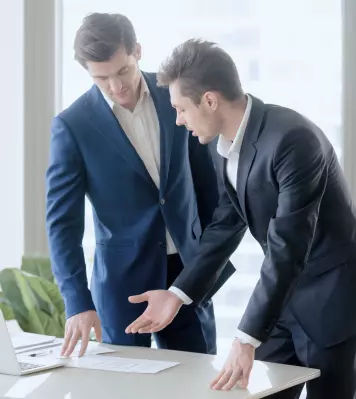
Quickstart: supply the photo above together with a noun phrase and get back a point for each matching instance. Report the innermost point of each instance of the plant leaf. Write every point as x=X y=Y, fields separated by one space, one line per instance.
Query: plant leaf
x=38 y=266
x=5 y=307
x=36 y=302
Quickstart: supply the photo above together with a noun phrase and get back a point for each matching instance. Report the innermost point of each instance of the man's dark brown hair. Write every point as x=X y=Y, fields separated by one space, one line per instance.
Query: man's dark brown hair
x=101 y=35
x=201 y=66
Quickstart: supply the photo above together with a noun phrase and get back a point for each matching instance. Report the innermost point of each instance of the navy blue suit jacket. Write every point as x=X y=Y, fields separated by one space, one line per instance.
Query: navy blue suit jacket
x=91 y=155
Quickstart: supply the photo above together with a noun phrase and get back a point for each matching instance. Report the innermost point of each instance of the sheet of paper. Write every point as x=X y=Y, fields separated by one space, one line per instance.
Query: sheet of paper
x=120 y=364
x=94 y=348
x=38 y=348
x=25 y=340
x=54 y=350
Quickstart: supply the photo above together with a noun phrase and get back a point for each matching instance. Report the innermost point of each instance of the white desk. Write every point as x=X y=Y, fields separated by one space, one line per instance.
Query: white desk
x=189 y=380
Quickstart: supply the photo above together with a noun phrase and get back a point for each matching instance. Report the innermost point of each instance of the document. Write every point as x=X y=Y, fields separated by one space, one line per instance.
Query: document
x=120 y=364
x=25 y=340
x=54 y=351
x=94 y=348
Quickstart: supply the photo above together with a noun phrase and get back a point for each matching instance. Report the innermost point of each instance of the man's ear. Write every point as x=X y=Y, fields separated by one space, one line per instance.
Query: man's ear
x=138 y=52
x=211 y=100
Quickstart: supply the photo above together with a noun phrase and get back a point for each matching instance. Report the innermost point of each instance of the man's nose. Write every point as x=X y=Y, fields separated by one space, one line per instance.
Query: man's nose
x=179 y=120
x=115 y=85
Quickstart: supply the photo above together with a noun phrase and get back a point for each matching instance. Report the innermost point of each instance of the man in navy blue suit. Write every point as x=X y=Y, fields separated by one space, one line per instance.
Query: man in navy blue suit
x=152 y=186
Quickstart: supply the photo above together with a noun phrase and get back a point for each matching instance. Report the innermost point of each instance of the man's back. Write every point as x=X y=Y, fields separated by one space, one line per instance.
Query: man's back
x=296 y=172
x=336 y=225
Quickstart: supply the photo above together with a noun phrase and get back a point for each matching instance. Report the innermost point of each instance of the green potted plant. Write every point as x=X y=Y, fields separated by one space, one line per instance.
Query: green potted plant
x=31 y=296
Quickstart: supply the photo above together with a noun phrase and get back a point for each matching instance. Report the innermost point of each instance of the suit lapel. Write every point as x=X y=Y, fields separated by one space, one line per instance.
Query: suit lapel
x=166 y=117
x=248 y=150
x=106 y=123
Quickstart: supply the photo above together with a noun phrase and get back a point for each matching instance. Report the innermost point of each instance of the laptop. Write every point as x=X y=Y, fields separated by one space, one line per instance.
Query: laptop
x=12 y=365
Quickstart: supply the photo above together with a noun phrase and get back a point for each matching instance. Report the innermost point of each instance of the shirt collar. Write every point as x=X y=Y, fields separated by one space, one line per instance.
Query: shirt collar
x=144 y=91
x=224 y=146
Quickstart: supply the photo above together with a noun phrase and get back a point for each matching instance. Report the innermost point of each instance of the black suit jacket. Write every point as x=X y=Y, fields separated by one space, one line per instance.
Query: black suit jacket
x=292 y=195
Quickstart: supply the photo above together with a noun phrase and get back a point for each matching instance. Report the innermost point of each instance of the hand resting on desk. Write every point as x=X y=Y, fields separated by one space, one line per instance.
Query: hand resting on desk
x=78 y=327
x=162 y=308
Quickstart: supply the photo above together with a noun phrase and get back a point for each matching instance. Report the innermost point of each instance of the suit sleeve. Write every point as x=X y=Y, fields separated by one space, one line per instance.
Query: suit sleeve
x=218 y=242
x=301 y=173
x=66 y=186
x=204 y=179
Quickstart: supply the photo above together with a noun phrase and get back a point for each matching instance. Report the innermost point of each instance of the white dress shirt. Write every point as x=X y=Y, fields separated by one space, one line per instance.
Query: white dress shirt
x=142 y=129
x=231 y=151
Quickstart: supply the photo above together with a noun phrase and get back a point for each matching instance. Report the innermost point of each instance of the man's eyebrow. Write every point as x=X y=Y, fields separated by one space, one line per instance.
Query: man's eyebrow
x=104 y=76
x=99 y=76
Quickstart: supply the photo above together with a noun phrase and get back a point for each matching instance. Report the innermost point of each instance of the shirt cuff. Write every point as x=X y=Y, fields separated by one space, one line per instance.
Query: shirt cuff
x=181 y=295
x=247 y=339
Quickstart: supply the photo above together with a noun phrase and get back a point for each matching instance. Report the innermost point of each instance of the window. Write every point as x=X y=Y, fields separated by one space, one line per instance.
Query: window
x=287 y=52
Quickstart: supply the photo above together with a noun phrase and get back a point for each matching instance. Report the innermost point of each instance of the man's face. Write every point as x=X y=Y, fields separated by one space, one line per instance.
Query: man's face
x=202 y=119
x=118 y=78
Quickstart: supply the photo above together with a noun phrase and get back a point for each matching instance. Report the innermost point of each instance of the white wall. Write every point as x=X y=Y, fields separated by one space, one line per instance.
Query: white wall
x=11 y=133
x=27 y=105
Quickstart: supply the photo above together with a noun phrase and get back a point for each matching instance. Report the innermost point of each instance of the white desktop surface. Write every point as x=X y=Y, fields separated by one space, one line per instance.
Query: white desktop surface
x=188 y=380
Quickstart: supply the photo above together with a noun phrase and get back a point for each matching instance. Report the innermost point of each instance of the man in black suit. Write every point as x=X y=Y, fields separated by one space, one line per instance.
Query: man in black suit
x=282 y=181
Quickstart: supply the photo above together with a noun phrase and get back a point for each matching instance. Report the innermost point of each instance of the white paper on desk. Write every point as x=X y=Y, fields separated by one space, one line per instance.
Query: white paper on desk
x=25 y=340
x=94 y=348
x=125 y=365
x=38 y=348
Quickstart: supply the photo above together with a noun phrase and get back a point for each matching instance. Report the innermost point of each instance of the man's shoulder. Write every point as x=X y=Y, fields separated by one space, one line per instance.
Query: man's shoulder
x=281 y=122
x=151 y=79
x=287 y=118
x=77 y=106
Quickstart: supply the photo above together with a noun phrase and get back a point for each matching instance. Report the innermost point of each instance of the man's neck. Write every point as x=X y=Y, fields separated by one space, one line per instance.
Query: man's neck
x=233 y=114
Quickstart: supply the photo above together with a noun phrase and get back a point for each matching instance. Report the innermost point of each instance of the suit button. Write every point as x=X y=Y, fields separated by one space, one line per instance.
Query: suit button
x=162 y=244
x=163 y=201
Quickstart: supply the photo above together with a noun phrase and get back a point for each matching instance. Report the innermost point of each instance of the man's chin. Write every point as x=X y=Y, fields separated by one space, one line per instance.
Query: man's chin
x=206 y=139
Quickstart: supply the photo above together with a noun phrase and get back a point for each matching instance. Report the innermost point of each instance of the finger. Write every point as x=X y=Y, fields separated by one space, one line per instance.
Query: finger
x=158 y=327
x=223 y=380
x=73 y=342
x=217 y=378
x=245 y=378
x=234 y=379
x=85 y=342
x=144 y=323
x=139 y=298
x=140 y=322
x=147 y=328
x=132 y=327
x=67 y=338
x=98 y=332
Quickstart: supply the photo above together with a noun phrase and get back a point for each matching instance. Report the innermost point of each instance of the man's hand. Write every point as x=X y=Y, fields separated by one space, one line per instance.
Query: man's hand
x=236 y=369
x=78 y=327
x=162 y=308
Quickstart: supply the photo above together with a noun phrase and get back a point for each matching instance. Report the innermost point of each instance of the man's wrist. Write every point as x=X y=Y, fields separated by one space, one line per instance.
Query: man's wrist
x=242 y=342
x=244 y=338
x=181 y=295
x=176 y=298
